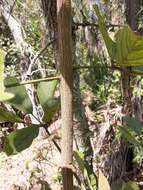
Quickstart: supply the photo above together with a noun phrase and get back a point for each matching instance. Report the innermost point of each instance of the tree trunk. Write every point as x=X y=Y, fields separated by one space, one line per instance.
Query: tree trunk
x=50 y=12
x=132 y=8
x=65 y=58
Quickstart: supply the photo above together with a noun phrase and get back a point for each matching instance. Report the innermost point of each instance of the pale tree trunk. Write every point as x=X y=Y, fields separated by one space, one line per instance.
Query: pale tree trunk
x=26 y=51
x=49 y=8
x=65 y=57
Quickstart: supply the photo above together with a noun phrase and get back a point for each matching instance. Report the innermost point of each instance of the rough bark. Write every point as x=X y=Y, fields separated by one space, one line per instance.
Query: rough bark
x=65 y=55
x=132 y=8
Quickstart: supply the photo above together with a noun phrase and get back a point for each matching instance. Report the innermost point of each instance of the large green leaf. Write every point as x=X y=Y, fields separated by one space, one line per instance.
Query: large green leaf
x=129 y=48
x=110 y=44
x=133 y=124
x=45 y=92
x=21 y=99
x=7 y=116
x=20 y=139
x=3 y=95
x=130 y=186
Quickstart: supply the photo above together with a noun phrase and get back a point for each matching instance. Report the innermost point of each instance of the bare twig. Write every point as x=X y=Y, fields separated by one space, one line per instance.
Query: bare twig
x=42 y=51
x=85 y=24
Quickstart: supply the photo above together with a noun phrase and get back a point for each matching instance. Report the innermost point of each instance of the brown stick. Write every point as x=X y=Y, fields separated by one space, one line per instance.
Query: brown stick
x=66 y=69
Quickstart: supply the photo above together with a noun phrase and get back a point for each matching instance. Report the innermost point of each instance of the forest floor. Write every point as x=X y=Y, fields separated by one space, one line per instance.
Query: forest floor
x=40 y=163
x=31 y=168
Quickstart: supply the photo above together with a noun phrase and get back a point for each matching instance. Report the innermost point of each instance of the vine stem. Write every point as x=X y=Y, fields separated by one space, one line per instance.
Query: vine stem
x=34 y=81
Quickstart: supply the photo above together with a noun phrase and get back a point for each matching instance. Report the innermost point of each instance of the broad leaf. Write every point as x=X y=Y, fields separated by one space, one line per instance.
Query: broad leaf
x=20 y=139
x=45 y=92
x=133 y=124
x=129 y=48
x=7 y=116
x=21 y=99
x=130 y=186
x=110 y=44
x=50 y=110
x=3 y=95
x=102 y=182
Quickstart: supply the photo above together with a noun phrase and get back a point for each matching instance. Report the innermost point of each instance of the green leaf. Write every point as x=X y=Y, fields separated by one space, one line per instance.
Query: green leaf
x=3 y=95
x=128 y=135
x=93 y=181
x=50 y=110
x=102 y=182
x=110 y=44
x=79 y=156
x=130 y=186
x=129 y=48
x=20 y=139
x=45 y=92
x=7 y=116
x=133 y=124
x=21 y=99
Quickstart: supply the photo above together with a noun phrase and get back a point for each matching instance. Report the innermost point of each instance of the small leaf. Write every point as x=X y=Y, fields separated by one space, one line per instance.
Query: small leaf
x=21 y=99
x=20 y=139
x=45 y=92
x=7 y=116
x=133 y=124
x=79 y=156
x=130 y=186
x=103 y=182
x=93 y=181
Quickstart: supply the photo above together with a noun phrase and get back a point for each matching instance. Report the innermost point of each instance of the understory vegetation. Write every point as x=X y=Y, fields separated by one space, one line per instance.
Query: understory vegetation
x=71 y=95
